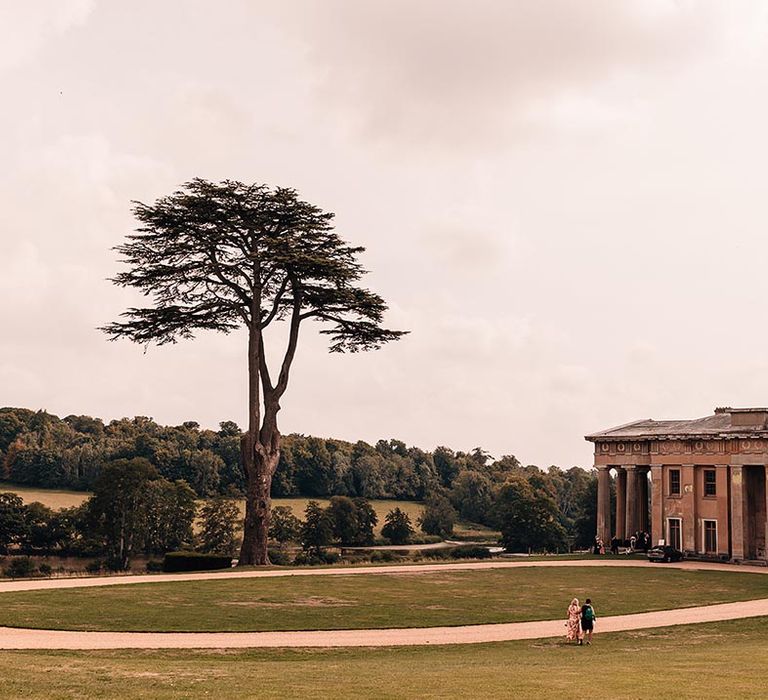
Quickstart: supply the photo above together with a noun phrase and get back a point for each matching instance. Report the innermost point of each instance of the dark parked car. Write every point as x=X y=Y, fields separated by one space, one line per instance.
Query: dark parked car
x=665 y=553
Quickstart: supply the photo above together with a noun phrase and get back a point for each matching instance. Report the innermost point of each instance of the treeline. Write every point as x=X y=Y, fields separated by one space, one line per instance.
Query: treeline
x=42 y=450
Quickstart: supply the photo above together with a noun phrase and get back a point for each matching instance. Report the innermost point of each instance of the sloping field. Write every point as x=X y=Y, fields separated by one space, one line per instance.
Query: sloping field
x=52 y=498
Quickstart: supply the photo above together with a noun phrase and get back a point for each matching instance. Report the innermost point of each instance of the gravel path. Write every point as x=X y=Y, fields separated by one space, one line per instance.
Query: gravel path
x=469 y=634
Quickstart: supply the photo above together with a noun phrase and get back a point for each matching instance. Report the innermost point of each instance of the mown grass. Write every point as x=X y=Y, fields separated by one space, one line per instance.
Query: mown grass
x=685 y=663
x=373 y=600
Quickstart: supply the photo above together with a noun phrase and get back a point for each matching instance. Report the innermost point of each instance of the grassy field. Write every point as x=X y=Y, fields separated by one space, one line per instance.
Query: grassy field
x=384 y=600
x=297 y=505
x=685 y=663
x=64 y=499
x=50 y=497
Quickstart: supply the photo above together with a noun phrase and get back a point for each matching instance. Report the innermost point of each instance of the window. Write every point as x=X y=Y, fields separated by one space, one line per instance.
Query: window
x=675 y=528
x=674 y=482
x=710 y=482
x=710 y=536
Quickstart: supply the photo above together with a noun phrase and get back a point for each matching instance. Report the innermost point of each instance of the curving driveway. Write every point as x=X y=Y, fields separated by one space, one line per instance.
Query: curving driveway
x=11 y=638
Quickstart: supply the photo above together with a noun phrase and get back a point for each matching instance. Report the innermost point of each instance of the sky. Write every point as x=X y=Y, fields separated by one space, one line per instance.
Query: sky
x=564 y=202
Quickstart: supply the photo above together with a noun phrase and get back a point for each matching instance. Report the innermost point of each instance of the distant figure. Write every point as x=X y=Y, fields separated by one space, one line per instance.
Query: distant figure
x=572 y=628
x=632 y=542
x=587 y=621
x=614 y=545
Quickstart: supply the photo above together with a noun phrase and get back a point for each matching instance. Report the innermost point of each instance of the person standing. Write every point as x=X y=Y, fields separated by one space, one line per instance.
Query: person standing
x=588 y=618
x=572 y=628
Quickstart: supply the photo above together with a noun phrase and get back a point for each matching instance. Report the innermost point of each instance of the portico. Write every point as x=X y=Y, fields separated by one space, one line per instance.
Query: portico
x=700 y=484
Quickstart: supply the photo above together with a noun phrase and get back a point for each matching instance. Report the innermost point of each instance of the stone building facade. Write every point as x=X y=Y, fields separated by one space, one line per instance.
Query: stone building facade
x=700 y=484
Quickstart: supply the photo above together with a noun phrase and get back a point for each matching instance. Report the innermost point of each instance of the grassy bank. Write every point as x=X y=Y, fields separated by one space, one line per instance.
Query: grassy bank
x=384 y=600
x=686 y=663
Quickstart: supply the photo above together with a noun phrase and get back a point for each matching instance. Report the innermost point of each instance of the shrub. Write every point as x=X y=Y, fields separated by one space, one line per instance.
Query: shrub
x=45 y=569
x=465 y=551
x=279 y=557
x=94 y=567
x=385 y=555
x=357 y=557
x=153 y=566
x=468 y=551
x=117 y=564
x=315 y=558
x=194 y=561
x=20 y=567
x=442 y=553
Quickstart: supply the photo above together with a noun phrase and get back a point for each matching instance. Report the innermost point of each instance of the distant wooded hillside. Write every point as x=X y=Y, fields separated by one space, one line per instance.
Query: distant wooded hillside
x=40 y=449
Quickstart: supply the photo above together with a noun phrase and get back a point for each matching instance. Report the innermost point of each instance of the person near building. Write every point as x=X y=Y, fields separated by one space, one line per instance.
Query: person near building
x=588 y=618
x=572 y=624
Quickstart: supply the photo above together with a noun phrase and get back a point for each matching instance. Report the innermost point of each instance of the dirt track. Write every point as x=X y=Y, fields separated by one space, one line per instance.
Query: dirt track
x=469 y=634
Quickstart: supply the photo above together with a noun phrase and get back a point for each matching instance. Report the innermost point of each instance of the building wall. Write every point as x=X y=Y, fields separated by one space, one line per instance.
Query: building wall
x=740 y=505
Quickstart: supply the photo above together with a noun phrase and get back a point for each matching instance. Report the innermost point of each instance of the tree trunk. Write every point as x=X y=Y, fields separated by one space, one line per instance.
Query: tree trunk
x=259 y=466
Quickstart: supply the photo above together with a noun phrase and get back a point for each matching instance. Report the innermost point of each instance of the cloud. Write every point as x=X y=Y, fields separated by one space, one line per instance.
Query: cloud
x=26 y=26
x=437 y=72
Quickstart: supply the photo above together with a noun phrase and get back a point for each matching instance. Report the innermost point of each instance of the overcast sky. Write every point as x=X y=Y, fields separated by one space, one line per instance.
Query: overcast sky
x=565 y=202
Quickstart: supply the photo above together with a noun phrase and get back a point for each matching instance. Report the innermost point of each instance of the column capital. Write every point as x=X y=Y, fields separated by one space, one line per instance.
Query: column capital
x=631 y=467
x=602 y=467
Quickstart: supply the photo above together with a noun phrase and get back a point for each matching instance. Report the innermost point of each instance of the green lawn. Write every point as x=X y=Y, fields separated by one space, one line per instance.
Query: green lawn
x=684 y=663
x=373 y=600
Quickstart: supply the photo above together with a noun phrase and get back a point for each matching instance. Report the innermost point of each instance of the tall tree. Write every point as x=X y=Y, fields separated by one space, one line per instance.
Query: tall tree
x=218 y=532
x=118 y=508
x=228 y=255
x=13 y=528
x=527 y=516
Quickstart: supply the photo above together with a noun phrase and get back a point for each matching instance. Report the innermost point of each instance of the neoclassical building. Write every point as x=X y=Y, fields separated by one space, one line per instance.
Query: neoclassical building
x=698 y=484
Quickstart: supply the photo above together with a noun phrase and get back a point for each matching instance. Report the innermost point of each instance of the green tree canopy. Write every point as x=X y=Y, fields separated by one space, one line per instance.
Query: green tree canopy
x=397 y=526
x=438 y=516
x=218 y=526
x=527 y=517
x=118 y=507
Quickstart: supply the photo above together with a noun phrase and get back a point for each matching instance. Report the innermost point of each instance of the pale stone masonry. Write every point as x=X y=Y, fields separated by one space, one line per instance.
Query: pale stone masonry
x=700 y=485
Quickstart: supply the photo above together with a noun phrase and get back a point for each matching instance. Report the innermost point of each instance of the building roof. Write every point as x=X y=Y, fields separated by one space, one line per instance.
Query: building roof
x=724 y=423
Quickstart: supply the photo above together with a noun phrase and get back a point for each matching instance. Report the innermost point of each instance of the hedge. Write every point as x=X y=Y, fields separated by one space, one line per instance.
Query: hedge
x=194 y=561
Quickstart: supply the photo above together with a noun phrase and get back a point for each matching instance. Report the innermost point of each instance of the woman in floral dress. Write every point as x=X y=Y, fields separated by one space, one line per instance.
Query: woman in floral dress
x=572 y=626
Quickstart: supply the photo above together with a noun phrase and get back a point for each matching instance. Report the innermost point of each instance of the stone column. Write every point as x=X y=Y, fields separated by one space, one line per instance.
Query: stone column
x=657 y=504
x=766 y=512
x=631 y=509
x=603 y=504
x=688 y=508
x=643 y=500
x=737 y=512
x=621 y=503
